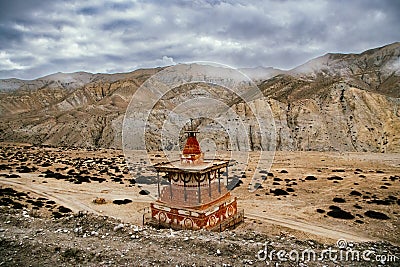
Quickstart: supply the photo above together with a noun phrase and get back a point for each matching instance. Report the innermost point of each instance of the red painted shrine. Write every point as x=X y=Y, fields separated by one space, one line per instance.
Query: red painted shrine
x=196 y=196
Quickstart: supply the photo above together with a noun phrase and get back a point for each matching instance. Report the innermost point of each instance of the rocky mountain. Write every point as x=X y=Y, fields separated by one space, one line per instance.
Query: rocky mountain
x=337 y=102
x=376 y=70
x=57 y=111
x=261 y=73
x=343 y=102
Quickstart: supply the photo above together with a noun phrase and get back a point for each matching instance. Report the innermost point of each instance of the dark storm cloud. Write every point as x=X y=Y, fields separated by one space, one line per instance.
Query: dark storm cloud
x=89 y=11
x=8 y=37
x=15 y=9
x=41 y=37
x=121 y=24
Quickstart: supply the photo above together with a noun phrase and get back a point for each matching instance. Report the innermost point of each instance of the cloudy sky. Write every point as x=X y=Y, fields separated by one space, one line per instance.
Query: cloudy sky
x=39 y=37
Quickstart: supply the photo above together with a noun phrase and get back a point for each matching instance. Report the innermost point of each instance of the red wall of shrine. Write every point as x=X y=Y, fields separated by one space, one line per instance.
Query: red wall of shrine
x=181 y=218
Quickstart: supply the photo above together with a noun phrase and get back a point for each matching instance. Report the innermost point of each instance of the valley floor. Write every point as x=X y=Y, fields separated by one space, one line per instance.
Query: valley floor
x=308 y=200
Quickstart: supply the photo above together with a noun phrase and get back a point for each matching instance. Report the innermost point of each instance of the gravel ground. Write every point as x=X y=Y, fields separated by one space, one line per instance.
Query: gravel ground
x=30 y=239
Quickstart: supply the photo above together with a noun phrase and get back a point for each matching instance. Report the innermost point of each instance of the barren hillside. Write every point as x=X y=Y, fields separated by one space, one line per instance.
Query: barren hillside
x=337 y=102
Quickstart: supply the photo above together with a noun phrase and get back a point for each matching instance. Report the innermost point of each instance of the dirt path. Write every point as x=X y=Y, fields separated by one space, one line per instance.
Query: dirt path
x=334 y=234
x=68 y=198
x=49 y=193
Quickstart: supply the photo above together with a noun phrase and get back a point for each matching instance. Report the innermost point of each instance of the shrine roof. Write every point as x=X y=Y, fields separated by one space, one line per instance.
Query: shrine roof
x=205 y=166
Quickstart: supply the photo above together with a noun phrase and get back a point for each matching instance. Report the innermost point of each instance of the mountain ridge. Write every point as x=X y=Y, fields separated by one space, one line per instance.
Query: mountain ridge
x=260 y=69
x=336 y=102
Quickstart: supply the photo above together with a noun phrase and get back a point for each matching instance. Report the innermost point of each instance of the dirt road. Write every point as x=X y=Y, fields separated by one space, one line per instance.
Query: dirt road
x=70 y=198
x=334 y=234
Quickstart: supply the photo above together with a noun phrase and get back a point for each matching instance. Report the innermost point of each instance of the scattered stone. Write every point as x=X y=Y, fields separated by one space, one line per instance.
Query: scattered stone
x=279 y=192
x=101 y=251
x=394 y=178
x=340 y=214
x=310 y=178
x=335 y=178
x=63 y=209
x=376 y=215
x=13 y=175
x=122 y=202
x=355 y=193
x=4 y=167
x=339 y=200
x=26 y=169
x=338 y=170
x=99 y=200
x=385 y=202
x=57 y=215
x=144 y=192
x=118 y=227
x=116 y=179
x=98 y=179
x=17 y=205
